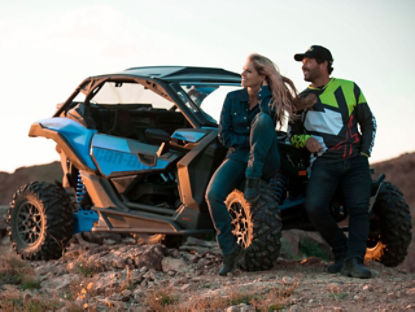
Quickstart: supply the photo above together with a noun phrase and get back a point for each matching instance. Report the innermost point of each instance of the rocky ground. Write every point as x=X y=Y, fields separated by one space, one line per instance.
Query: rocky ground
x=116 y=274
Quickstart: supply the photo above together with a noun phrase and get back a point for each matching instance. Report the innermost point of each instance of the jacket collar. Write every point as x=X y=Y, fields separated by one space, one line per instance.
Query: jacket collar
x=264 y=92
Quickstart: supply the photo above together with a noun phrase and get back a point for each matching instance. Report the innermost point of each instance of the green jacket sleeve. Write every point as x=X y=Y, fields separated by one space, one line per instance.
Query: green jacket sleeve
x=296 y=132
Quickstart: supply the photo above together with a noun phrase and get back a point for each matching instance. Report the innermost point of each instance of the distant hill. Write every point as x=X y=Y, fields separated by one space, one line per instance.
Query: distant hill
x=400 y=171
x=9 y=182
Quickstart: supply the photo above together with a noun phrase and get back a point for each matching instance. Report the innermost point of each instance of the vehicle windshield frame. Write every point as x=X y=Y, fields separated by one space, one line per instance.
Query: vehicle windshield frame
x=206 y=118
x=90 y=86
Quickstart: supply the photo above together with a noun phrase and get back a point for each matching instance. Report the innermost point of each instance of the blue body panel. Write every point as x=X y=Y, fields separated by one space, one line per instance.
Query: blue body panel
x=188 y=135
x=77 y=136
x=111 y=161
x=111 y=142
x=115 y=155
x=83 y=220
x=112 y=154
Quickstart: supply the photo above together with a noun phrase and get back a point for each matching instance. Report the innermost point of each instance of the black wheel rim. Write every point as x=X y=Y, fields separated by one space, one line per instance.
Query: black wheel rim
x=239 y=223
x=29 y=223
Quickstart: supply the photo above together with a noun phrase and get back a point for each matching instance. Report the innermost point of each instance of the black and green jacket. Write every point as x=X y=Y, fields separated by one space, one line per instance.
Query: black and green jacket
x=333 y=120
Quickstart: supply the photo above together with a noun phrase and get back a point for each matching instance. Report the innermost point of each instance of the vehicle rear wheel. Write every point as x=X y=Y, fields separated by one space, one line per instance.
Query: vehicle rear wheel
x=257 y=228
x=390 y=227
x=40 y=221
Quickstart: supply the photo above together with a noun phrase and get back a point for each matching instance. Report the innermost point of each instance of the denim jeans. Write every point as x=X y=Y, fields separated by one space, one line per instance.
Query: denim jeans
x=352 y=176
x=263 y=162
x=264 y=157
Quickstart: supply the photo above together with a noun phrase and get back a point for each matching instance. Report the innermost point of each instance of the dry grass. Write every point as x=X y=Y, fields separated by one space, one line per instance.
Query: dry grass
x=15 y=271
x=32 y=304
x=264 y=299
x=84 y=286
x=87 y=270
x=126 y=283
x=162 y=300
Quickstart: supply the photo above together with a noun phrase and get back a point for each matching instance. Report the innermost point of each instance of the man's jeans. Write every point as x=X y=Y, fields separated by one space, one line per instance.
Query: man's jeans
x=264 y=161
x=352 y=176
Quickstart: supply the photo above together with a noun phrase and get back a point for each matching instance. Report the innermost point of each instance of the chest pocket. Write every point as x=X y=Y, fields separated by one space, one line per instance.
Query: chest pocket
x=240 y=123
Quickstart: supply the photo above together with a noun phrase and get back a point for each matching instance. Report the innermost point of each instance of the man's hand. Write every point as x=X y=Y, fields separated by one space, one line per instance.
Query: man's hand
x=313 y=145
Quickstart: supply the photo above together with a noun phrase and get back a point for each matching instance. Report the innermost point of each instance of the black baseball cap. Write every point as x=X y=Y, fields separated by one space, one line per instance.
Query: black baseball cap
x=316 y=52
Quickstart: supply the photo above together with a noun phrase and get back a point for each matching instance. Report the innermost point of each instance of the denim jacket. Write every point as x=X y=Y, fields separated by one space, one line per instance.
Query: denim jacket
x=235 y=121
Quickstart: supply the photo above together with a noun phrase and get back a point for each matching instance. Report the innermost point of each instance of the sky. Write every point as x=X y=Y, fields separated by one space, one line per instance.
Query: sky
x=48 y=47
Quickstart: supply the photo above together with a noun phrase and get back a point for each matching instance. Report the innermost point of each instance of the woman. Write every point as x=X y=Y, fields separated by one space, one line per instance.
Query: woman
x=247 y=128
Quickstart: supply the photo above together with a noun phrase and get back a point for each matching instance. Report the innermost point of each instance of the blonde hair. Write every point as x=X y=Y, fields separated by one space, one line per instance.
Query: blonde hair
x=284 y=93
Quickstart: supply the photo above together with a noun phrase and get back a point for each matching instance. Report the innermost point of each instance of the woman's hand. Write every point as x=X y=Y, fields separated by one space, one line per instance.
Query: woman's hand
x=269 y=72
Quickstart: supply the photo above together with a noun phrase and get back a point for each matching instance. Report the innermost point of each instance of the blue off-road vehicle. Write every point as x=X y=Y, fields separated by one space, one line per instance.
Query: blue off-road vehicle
x=138 y=149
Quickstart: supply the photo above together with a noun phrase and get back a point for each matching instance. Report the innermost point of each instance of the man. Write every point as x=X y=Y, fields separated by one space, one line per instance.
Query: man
x=331 y=111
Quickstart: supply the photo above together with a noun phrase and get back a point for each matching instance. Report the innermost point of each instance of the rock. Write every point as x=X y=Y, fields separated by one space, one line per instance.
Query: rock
x=112 y=305
x=333 y=288
x=100 y=237
x=286 y=280
x=193 y=241
x=175 y=253
x=125 y=295
x=27 y=296
x=105 y=280
x=367 y=287
x=149 y=275
x=240 y=308
x=173 y=264
x=138 y=293
x=151 y=257
x=118 y=262
x=298 y=243
x=5 y=242
x=392 y=295
x=129 y=240
x=109 y=241
x=185 y=287
x=70 y=266
x=59 y=282
x=197 y=249
x=3 y=218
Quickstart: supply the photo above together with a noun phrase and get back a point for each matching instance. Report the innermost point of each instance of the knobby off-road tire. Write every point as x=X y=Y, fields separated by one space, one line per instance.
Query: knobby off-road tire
x=257 y=228
x=40 y=221
x=390 y=227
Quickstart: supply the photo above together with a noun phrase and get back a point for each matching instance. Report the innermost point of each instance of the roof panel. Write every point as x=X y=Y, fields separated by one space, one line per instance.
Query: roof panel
x=183 y=73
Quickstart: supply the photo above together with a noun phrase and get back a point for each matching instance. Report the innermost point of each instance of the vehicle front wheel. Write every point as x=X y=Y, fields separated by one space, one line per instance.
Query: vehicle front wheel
x=40 y=221
x=257 y=227
x=390 y=227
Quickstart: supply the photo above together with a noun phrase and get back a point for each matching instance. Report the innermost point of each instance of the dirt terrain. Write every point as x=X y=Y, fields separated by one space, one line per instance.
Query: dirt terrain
x=114 y=273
